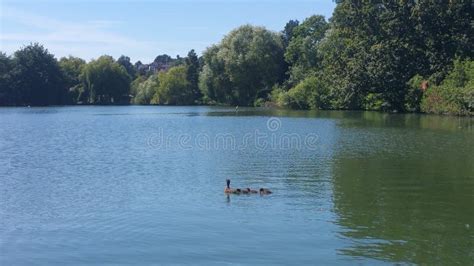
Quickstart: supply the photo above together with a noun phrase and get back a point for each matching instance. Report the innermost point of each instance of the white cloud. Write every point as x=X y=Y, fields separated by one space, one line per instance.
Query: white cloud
x=88 y=39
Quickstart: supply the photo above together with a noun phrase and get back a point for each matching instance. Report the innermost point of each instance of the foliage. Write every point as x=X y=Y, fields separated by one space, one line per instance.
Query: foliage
x=129 y=67
x=144 y=89
x=461 y=76
x=7 y=92
x=414 y=94
x=192 y=74
x=374 y=102
x=163 y=59
x=302 y=51
x=455 y=94
x=173 y=88
x=311 y=93
x=444 y=29
x=442 y=100
x=36 y=77
x=72 y=69
x=280 y=97
x=287 y=33
x=105 y=81
x=377 y=48
x=245 y=65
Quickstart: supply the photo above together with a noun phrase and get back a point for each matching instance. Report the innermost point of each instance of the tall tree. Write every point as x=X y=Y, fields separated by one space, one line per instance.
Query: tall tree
x=38 y=77
x=375 y=48
x=72 y=69
x=125 y=62
x=445 y=31
x=106 y=81
x=163 y=59
x=173 y=88
x=248 y=63
x=287 y=32
x=192 y=73
x=302 y=51
x=7 y=92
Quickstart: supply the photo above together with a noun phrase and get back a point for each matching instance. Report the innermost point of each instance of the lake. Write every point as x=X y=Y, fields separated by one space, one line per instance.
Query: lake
x=144 y=185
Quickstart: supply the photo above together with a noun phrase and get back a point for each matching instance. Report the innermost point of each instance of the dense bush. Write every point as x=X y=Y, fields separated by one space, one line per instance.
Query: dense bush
x=311 y=93
x=374 y=102
x=414 y=94
x=455 y=94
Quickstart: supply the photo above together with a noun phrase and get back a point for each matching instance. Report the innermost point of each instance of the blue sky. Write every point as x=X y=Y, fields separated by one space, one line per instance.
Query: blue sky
x=140 y=29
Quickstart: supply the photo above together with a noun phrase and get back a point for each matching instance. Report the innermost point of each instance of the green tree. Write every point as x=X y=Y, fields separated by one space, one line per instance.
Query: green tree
x=163 y=59
x=106 y=81
x=375 y=48
x=38 y=79
x=7 y=92
x=129 y=67
x=173 y=88
x=144 y=89
x=287 y=33
x=302 y=51
x=445 y=31
x=243 y=67
x=455 y=94
x=214 y=83
x=72 y=69
x=192 y=74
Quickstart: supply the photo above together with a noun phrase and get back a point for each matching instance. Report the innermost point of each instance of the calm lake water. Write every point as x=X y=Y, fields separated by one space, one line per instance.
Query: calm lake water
x=144 y=185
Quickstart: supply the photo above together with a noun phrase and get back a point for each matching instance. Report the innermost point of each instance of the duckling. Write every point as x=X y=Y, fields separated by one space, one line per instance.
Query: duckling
x=251 y=191
x=237 y=191
x=265 y=191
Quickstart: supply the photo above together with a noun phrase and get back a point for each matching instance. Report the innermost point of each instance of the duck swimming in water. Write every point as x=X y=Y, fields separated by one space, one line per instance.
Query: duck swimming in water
x=227 y=189
x=251 y=191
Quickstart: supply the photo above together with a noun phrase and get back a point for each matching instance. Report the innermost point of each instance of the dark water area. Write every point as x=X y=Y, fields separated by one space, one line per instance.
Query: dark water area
x=144 y=185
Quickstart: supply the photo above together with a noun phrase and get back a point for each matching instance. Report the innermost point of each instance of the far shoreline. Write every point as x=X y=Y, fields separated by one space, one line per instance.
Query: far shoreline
x=275 y=108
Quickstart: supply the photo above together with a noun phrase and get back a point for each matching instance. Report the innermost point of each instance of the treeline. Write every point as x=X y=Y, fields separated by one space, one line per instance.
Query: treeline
x=413 y=55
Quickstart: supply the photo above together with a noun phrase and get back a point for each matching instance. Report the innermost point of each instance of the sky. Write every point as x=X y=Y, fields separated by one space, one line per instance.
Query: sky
x=140 y=29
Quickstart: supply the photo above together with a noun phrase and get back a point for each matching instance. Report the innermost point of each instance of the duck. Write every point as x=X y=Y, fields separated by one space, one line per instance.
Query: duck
x=265 y=191
x=227 y=189
x=249 y=190
x=245 y=191
x=237 y=191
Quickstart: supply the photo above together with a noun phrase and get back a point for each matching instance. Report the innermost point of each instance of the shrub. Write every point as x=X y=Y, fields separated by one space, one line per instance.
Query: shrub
x=414 y=94
x=280 y=97
x=311 y=93
x=374 y=102
x=455 y=95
